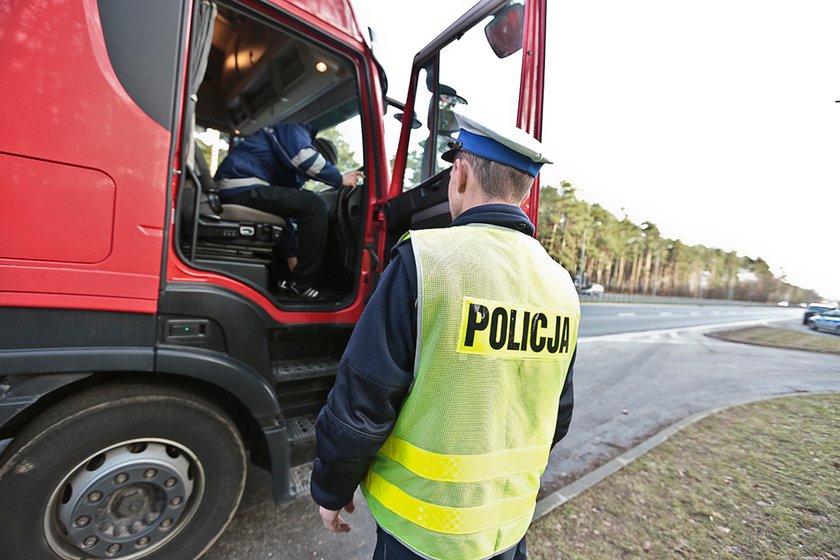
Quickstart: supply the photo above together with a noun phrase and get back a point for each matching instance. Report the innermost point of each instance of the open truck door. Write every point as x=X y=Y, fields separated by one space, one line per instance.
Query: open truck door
x=476 y=62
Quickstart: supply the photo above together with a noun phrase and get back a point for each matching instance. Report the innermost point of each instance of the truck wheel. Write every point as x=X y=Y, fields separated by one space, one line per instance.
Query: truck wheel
x=122 y=471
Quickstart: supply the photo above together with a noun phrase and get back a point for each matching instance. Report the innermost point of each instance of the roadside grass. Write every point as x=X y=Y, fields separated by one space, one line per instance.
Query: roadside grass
x=757 y=481
x=781 y=338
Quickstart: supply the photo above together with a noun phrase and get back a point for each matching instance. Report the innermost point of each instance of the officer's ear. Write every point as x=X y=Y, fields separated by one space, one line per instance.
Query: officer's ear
x=459 y=174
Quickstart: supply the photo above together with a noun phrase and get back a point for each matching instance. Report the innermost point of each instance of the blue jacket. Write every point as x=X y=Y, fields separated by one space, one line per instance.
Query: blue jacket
x=280 y=154
x=377 y=369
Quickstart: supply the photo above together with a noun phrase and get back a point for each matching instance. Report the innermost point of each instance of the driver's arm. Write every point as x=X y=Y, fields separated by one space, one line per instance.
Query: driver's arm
x=293 y=144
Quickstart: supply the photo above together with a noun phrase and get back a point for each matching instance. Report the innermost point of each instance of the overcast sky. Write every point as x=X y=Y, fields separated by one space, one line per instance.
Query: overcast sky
x=715 y=120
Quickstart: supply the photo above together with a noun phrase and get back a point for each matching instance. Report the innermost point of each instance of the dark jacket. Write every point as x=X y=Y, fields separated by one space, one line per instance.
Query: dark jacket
x=280 y=154
x=377 y=370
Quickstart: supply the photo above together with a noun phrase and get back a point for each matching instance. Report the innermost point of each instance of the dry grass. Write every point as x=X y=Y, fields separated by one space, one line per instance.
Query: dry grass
x=759 y=481
x=781 y=338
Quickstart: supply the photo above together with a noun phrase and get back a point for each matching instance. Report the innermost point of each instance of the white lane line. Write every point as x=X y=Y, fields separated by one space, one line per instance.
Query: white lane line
x=665 y=313
x=626 y=314
x=626 y=336
x=694 y=313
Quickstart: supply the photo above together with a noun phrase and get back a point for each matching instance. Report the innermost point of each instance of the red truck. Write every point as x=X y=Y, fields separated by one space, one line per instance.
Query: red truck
x=145 y=354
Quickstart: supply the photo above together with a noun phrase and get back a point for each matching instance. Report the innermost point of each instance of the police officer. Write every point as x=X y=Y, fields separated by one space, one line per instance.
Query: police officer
x=267 y=171
x=457 y=381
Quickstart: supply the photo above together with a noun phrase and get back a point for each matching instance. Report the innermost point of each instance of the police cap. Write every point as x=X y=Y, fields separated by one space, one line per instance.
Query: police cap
x=507 y=145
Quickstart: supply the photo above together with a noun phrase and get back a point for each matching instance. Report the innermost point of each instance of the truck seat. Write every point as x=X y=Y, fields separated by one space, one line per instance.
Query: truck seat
x=232 y=238
x=239 y=213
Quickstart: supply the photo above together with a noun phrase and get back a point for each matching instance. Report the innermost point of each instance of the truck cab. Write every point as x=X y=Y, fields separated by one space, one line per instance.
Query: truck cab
x=147 y=353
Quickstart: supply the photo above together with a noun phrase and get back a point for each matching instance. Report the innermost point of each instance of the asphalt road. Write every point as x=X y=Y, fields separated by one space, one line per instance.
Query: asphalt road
x=612 y=318
x=627 y=386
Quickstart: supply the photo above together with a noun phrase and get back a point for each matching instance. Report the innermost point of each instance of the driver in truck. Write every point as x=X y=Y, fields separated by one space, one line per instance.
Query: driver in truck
x=267 y=171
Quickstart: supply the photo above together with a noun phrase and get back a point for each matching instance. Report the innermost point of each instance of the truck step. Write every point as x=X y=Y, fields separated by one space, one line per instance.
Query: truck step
x=301 y=430
x=294 y=370
x=299 y=480
x=301 y=440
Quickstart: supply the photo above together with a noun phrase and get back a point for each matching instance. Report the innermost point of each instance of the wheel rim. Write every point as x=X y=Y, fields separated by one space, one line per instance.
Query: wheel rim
x=124 y=501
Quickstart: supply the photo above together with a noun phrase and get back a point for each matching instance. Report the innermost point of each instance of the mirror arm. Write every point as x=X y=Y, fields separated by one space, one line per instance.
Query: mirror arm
x=394 y=103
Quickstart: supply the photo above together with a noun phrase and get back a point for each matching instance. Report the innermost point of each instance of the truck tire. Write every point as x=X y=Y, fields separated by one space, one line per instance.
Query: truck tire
x=121 y=471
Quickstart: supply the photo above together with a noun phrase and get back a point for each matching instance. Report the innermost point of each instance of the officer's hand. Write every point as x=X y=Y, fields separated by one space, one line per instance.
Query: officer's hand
x=351 y=178
x=333 y=521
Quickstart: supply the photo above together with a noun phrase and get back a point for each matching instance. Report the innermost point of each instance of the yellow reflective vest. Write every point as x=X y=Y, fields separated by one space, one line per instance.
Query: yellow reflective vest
x=497 y=327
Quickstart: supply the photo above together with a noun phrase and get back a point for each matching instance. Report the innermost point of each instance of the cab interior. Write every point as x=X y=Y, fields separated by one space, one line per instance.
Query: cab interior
x=247 y=73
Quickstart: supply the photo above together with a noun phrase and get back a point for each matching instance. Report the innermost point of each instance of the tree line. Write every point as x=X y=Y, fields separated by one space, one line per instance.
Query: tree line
x=624 y=257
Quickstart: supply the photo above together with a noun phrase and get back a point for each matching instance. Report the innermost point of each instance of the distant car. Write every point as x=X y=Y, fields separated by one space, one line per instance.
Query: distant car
x=814 y=309
x=828 y=321
x=783 y=303
x=592 y=290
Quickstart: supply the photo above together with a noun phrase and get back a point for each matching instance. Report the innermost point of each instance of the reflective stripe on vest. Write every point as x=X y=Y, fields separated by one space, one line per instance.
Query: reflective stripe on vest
x=497 y=327
x=455 y=521
x=463 y=468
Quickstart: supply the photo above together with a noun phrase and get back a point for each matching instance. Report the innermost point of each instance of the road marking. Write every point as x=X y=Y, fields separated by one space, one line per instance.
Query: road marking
x=664 y=313
x=656 y=341
x=626 y=314
x=694 y=313
x=687 y=329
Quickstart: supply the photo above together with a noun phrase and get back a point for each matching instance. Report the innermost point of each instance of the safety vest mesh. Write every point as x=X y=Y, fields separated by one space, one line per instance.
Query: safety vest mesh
x=498 y=323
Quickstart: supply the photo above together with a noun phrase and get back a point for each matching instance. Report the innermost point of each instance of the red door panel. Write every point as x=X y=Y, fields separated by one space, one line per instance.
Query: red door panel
x=55 y=212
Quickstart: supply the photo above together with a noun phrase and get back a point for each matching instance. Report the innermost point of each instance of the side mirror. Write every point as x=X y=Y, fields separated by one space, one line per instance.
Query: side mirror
x=415 y=124
x=504 y=32
x=447 y=100
x=399 y=116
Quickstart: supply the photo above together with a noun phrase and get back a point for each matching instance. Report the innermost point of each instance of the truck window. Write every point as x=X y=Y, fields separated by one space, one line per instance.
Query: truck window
x=460 y=74
x=258 y=75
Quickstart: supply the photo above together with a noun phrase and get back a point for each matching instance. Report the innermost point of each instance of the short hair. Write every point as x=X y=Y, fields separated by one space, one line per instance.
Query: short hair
x=498 y=180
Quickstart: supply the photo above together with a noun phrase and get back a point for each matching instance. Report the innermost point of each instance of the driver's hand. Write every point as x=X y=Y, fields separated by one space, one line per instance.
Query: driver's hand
x=351 y=178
